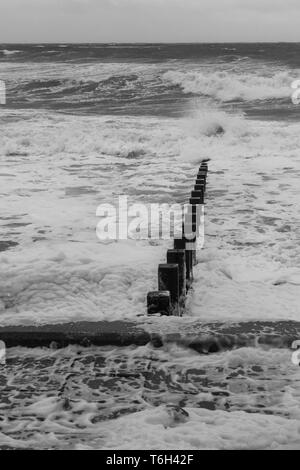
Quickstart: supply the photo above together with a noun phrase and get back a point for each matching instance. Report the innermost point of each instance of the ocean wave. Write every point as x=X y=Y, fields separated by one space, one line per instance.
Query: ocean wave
x=9 y=52
x=42 y=84
x=225 y=86
x=150 y=160
x=66 y=86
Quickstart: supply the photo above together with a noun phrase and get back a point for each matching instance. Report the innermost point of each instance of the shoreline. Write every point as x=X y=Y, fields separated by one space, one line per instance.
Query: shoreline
x=203 y=337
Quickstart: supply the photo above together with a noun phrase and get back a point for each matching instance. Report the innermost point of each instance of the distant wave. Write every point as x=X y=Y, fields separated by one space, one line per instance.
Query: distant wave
x=41 y=84
x=8 y=52
x=67 y=86
x=225 y=86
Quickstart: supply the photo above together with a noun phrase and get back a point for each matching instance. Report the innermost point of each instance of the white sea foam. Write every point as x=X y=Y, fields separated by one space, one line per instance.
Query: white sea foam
x=228 y=86
x=9 y=52
x=249 y=267
x=203 y=429
x=75 y=281
x=109 y=401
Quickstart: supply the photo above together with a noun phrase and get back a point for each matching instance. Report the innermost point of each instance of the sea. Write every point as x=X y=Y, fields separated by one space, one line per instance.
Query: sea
x=86 y=123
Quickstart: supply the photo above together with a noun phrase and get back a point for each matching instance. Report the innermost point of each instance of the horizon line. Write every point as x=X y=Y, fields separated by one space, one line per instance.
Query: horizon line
x=150 y=43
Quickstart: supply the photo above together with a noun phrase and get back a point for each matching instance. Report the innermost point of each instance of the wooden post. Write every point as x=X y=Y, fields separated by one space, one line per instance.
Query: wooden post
x=198 y=194
x=190 y=226
x=192 y=218
x=201 y=182
x=190 y=215
x=193 y=228
x=190 y=233
x=195 y=201
x=178 y=257
x=180 y=244
x=201 y=178
x=189 y=266
x=168 y=280
x=175 y=277
x=200 y=187
x=191 y=237
x=159 y=302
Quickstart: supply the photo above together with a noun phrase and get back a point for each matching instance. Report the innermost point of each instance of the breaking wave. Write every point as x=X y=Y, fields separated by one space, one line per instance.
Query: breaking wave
x=8 y=52
x=225 y=86
x=67 y=85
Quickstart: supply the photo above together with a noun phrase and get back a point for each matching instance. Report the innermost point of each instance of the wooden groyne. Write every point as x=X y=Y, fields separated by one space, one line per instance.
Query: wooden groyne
x=176 y=275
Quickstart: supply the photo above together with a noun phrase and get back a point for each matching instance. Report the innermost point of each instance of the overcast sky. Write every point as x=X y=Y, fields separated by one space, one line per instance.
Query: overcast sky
x=149 y=20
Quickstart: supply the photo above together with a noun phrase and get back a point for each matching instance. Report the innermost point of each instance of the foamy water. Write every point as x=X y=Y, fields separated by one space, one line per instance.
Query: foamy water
x=83 y=126
x=146 y=398
x=249 y=267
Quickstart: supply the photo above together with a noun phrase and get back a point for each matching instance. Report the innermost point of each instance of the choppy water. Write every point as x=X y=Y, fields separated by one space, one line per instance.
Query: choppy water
x=86 y=123
x=151 y=79
x=149 y=398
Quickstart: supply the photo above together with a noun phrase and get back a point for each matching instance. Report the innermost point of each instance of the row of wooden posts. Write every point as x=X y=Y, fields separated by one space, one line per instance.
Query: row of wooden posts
x=175 y=277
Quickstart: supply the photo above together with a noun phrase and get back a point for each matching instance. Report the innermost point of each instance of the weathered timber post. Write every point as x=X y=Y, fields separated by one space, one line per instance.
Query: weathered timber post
x=203 y=170
x=198 y=194
x=159 y=302
x=168 y=280
x=175 y=277
x=201 y=180
x=178 y=257
x=180 y=244
x=194 y=202
x=190 y=218
x=190 y=235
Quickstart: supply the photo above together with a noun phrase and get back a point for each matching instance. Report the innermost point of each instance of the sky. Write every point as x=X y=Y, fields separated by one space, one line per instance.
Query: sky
x=149 y=20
